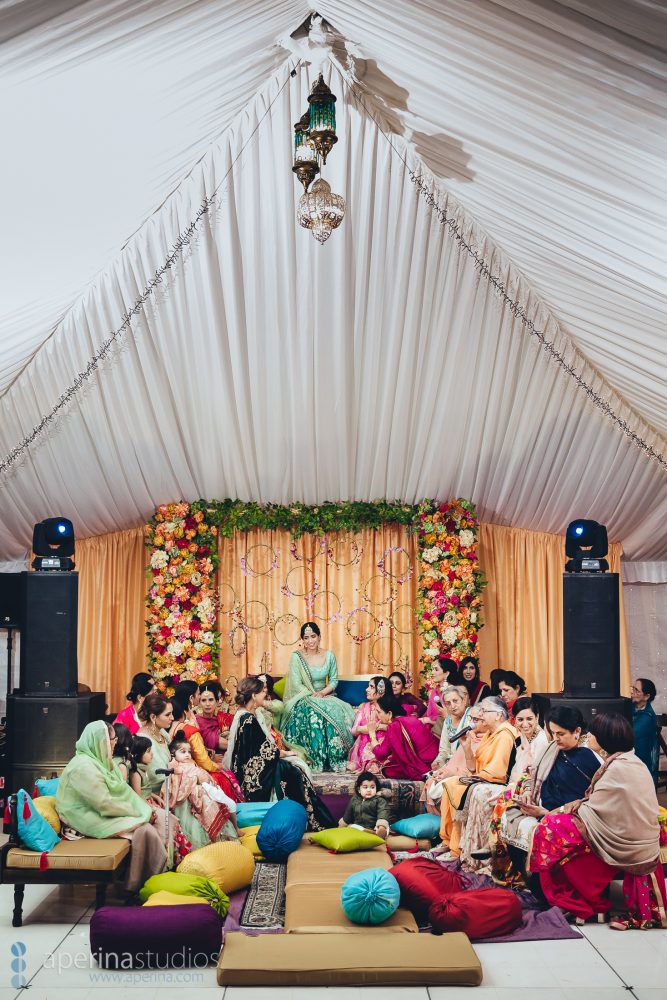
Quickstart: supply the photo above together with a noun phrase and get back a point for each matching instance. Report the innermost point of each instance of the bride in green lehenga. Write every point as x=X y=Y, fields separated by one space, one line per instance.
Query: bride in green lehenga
x=313 y=717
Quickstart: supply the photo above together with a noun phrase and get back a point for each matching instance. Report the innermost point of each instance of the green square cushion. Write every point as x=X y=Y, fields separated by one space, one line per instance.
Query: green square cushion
x=279 y=688
x=424 y=825
x=342 y=839
x=34 y=831
x=187 y=885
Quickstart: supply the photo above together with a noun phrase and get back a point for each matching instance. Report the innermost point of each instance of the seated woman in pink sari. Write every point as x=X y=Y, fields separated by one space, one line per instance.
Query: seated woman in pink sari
x=444 y=674
x=361 y=756
x=578 y=849
x=408 y=747
x=142 y=685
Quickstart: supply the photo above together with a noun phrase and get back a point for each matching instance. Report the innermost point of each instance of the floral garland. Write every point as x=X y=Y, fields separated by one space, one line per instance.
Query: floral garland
x=182 y=602
x=183 y=640
x=450 y=583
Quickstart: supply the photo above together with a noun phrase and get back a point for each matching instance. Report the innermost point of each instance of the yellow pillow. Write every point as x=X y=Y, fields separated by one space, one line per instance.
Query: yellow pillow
x=46 y=807
x=249 y=840
x=164 y=898
x=228 y=863
x=343 y=839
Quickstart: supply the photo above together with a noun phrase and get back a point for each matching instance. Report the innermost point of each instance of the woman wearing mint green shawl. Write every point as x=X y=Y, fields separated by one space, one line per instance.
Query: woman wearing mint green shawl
x=95 y=801
x=314 y=718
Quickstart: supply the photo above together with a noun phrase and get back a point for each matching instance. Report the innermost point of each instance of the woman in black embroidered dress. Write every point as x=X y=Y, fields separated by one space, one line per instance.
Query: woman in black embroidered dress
x=263 y=770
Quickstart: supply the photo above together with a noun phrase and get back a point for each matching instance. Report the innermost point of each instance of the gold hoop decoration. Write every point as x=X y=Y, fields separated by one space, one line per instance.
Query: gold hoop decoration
x=322 y=549
x=392 y=619
x=386 y=579
x=247 y=616
x=226 y=606
x=358 y=551
x=351 y=616
x=402 y=577
x=287 y=590
x=398 y=661
x=335 y=616
x=285 y=621
x=238 y=649
x=247 y=569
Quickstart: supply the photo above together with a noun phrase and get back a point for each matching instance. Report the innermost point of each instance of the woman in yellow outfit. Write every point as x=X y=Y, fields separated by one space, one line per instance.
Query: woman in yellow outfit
x=488 y=763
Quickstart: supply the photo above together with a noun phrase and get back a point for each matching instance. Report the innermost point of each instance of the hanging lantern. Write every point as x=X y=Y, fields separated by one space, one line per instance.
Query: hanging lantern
x=321 y=210
x=305 y=154
x=322 y=118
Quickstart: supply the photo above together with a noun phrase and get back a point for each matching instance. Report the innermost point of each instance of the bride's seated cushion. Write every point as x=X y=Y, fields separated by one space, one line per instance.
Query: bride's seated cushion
x=341 y=839
x=370 y=896
x=282 y=830
x=424 y=882
x=479 y=913
x=227 y=863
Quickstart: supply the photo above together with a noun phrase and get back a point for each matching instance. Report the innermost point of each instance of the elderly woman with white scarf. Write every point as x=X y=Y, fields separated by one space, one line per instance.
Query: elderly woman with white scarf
x=263 y=770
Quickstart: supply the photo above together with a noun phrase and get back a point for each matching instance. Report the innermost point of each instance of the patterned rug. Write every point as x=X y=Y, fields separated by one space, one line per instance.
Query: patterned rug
x=264 y=907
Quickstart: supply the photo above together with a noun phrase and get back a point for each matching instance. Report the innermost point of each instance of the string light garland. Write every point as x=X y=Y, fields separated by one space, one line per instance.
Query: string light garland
x=500 y=288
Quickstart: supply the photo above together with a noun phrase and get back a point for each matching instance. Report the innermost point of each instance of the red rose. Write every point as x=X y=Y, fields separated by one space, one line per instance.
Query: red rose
x=165 y=632
x=182 y=543
x=190 y=524
x=206 y=657
x=203 y=550
x=159 y=648
x=176 y=679
x=450 y=525
x=451 y=574
x=454 y=599
x=473 y=637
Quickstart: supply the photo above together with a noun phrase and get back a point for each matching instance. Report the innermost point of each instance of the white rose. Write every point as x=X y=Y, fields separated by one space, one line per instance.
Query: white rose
x=207 y=638
x=432 y=651
x=466 y=538
x=159 y=559
x=450 y=636
x=473 y=617
x=175 y=648
x=431 y=555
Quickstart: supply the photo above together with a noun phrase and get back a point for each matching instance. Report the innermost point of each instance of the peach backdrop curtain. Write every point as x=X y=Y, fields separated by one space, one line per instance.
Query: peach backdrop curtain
x=523 y=605
x=112 y=611
x=360 y=589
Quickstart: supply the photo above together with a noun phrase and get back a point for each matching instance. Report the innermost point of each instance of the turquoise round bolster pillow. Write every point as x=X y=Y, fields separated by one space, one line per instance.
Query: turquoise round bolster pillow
x=370 y=896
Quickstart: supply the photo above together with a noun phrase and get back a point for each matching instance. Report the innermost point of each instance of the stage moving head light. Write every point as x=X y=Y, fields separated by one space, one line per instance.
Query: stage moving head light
x=53 y=544
x=586 y=546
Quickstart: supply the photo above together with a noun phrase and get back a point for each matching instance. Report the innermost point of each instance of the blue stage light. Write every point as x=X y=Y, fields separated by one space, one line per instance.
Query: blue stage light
x=579 y=530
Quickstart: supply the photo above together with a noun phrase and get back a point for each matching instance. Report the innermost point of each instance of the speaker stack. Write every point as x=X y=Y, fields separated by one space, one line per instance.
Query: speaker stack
x=45 y=715
x=591 y=646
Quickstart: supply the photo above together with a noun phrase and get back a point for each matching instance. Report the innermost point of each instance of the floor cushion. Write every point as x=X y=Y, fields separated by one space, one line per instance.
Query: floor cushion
x=249 y=840
x=370 y=896
x=46 y=807
x=129 y=937
x=164 y=898
x=310 y=865
x=282 y=830
x=424 y=825
x=315 y=908
x=187 y=885
x=424 y=882
x=252 y=813
x=228 y=863
x=341 y=839
x=364 y=959
x=397 y=842
x=479 y=913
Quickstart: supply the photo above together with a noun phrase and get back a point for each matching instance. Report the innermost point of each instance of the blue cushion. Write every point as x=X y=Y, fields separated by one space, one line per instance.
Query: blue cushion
x=353 y=692
x=252 y=813
x=370 y=896
x=47 y=786
x=424 y=825
x=34 y=831
x=282 y=830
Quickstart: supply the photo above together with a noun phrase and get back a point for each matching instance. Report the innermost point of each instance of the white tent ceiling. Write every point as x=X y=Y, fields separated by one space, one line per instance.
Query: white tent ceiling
x=269 y=367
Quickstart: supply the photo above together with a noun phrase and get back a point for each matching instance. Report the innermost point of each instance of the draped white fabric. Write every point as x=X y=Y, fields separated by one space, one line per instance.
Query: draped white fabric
x=271 y=368
x=646 y=618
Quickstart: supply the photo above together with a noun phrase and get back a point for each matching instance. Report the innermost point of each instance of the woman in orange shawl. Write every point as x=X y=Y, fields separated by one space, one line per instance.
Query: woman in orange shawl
x=489 y=763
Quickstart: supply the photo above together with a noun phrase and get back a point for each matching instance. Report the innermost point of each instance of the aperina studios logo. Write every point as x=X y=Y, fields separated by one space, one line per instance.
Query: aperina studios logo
x=18 y=965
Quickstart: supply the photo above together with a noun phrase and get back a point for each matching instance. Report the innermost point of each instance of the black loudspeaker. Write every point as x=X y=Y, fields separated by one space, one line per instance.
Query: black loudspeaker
x=42 y=733
x=591 y=653
x=49 y=621
x=589 y=707
x=10 y=600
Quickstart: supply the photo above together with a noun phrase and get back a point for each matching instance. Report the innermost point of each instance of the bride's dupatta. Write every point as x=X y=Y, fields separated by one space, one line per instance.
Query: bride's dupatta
x=300 y=686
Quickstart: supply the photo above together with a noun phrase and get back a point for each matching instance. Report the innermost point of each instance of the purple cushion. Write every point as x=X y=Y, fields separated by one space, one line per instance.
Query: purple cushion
x=131 y=937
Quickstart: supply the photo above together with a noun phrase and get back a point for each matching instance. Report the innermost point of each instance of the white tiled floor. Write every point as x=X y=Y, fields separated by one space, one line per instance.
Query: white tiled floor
x=602 y=965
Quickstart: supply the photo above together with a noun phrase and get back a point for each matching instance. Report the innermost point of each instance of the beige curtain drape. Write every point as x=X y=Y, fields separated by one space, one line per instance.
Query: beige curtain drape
x=112 y=611
x=361 y=590
x=523 y=605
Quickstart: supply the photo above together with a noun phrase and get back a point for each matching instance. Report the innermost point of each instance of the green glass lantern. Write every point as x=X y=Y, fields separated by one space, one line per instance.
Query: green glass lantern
x=305 y=153
x=322 y=118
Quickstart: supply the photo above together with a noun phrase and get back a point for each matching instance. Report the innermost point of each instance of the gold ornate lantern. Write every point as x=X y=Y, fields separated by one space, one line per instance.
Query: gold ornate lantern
x=320 y=210
x=305 y=153
x=322 y=118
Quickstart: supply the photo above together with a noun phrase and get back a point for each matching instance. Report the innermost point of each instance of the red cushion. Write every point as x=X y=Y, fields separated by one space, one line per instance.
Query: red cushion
x=424 y=882
x=479 y=913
